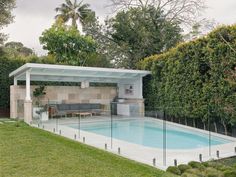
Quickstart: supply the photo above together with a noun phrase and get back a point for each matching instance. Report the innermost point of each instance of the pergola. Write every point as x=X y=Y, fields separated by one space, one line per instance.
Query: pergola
x=85 y=75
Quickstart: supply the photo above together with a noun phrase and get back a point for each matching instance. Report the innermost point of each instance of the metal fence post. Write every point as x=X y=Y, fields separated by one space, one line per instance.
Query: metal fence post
x=154 y=161
x=200 y=157
x=218 y=154
x=164 y=138
x=111 y=125
x=175 y=162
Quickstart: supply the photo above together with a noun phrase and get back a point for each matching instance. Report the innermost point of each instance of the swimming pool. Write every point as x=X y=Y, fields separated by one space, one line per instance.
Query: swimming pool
x=149 y=133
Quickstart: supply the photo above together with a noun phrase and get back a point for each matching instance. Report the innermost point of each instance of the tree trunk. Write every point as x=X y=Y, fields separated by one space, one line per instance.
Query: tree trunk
x=225 y=128
x=194 y=123
x=204 y=125
x=74 y=24
x=215 y=126
x=185 y=120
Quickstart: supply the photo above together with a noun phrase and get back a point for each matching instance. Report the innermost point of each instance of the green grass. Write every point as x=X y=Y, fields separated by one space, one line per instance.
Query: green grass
x=27 y=151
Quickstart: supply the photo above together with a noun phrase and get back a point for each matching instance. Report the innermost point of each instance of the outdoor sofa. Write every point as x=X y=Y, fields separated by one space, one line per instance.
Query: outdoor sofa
x=70 y=109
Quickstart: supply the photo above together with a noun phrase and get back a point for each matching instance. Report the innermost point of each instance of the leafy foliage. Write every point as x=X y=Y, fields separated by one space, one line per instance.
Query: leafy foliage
x=67 y=44
x=196 y=79
x=141 y=32
x=17 y=49
x=38 y=93
x=9 y=63
x=5 y=16
x=6 y=66
x=174 y=170
x=206 y=169
x=74 y=11
x=104 y=45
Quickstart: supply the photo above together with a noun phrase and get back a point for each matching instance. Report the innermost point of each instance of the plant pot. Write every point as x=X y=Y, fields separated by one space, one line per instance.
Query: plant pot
x=35 y=114
x=38 y=114
x=44 y=116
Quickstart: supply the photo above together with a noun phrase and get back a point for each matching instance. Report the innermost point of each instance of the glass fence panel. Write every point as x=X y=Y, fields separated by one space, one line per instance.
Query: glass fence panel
x=153 y=137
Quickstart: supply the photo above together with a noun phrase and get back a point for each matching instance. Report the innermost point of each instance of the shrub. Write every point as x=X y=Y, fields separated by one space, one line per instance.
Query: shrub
x=189 y=175
x=174 y=170
x=184 y=167
x=212 y=172
x=224 y=168
x=206 y=164
x=229 y=173
x=198 y=165
x=193 y=172
x=234 y=166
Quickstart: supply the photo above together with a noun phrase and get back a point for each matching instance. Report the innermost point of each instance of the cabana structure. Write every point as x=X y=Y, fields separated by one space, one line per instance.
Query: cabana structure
x=128 y=87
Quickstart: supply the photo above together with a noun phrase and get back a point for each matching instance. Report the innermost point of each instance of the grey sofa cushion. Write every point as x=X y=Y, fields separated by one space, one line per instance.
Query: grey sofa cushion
x=95 y=106
x=63 y=107
x=75 y=107
x=78 y=107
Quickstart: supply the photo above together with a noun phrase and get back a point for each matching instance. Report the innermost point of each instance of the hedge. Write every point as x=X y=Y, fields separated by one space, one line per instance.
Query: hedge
x=196 y=79
x=6 y=67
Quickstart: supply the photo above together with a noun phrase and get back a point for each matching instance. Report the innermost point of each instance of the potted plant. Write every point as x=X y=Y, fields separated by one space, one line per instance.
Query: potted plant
x=40 y=111
x=43 y=112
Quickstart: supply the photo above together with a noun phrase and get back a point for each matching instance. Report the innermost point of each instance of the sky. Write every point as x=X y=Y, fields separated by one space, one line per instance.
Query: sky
x=32 y=17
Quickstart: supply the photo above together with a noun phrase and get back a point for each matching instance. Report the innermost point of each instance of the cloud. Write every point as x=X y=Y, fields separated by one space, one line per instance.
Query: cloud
x=32 y=17
x=223 y=12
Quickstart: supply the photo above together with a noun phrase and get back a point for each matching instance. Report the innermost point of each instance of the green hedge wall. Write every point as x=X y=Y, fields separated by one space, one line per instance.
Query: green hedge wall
x=7 y=66
x=195 y=79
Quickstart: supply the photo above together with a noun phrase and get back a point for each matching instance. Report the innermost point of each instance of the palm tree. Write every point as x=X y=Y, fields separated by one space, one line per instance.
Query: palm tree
x=73 y=11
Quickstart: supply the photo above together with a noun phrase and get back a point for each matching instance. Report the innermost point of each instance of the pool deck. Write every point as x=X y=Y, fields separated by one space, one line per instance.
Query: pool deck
x=137 y=152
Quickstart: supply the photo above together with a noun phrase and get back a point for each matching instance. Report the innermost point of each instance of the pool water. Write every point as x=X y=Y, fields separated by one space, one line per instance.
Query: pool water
x=149 y=132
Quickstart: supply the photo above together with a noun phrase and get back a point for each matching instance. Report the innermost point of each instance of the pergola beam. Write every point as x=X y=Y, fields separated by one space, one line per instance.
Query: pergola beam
x=74 y=79
x=96 y=75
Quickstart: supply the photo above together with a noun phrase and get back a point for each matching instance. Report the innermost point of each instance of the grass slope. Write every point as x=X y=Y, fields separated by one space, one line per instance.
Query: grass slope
x=27 y=151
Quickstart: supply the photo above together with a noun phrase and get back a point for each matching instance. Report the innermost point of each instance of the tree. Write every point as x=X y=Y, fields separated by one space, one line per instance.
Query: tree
x=17 y=50
x=183 y=11
x=98 y=32
x=141 y=32
x=67 y=44
x=73 y=11
x=200 y=28
x=5 y=16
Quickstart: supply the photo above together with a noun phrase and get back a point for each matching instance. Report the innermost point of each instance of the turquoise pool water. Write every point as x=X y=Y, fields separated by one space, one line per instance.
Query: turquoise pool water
x=149 y=132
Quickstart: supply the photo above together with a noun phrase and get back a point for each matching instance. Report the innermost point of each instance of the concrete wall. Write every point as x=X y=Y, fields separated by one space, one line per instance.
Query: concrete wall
x=62 y=94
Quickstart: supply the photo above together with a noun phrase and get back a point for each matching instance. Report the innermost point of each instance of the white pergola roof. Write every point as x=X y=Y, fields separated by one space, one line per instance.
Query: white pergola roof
x=63 y=73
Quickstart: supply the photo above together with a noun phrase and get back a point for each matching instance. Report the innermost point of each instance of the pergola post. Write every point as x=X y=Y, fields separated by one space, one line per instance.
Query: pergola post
x=28 y=101
x=15 y=81
x=27 y=86
x=13 y=100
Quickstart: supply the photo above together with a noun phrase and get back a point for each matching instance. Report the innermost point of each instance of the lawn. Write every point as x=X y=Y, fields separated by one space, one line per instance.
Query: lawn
x=27 y=151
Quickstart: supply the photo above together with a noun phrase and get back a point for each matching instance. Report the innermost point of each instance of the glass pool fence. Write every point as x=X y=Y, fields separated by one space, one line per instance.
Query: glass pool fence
x=156 y=136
